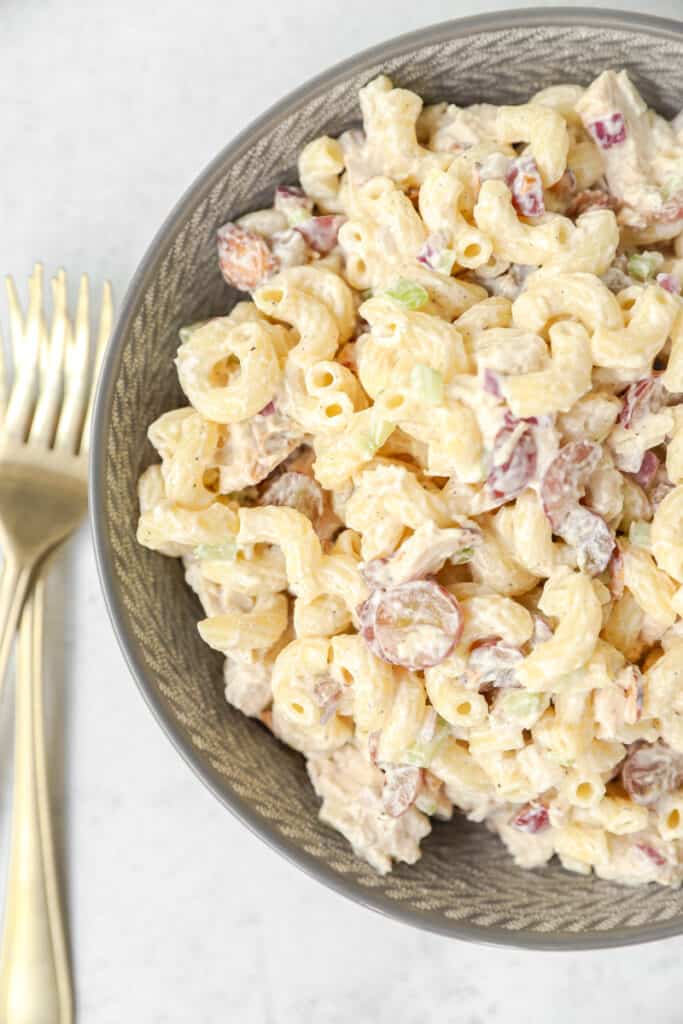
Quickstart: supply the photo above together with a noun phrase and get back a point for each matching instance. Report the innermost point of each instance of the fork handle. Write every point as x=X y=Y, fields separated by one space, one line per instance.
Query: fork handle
x=35 y=984
x=15 y=581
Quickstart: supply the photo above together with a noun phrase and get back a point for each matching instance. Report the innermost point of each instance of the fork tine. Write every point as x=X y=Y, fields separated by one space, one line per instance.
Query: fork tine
x=3 y=381
x=75 y=374
x=27 y=354
x=51 y=370
x=16 y=320
x=104 y=331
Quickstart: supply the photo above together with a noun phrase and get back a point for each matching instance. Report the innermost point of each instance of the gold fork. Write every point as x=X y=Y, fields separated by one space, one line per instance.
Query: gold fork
x=43 y=476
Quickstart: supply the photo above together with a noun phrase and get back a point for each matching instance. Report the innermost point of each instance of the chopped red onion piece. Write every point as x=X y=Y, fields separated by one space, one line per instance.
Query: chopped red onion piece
x=321 y=232
x=491 y=383
x=608 y=131
x=648 y=470
x=532 y=818
x=435 y=254
x=524 y=181
x=669 y=283
x=327 y=694
x=651 y=853
x=640 y=398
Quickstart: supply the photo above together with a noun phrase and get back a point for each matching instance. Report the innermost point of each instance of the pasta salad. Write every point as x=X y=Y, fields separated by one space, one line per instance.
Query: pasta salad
x=429 y=484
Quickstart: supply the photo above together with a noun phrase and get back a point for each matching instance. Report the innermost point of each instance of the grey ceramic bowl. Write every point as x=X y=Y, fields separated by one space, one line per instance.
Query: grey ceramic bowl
x=465 y=885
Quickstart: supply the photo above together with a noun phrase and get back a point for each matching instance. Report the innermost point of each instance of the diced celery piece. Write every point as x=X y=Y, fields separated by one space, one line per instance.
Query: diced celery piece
x=421 y=753
x=296 y=215
x=379 y=432
x=460 y=557
x=224 y=552
x=642 y=265
x=427 y=384
x=520 y=704
x=409 y=293
x=445 y=261
x=427 y=806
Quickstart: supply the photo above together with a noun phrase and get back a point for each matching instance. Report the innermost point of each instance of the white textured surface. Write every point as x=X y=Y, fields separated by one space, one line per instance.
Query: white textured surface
x=107 y=112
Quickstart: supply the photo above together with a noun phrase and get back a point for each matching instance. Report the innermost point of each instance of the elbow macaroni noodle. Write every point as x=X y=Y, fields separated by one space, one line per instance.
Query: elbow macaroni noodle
x=428 y=487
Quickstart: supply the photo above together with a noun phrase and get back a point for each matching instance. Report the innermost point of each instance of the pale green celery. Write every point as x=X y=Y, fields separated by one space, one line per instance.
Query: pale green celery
x=297 y=215
x=643 y=265
x=380 y=432
x=409 y=293
x=460 y=557
x=639 y=534
x=520 y=704
x=224 y=552
x=420 y=754
x=427 y=384
x=445 y=261
x=428 y=807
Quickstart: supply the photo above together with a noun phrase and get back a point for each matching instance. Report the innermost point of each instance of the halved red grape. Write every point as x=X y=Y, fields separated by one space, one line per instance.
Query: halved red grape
x=565 y=479
x=591 y=538
x=650 y=771
x=491 y=665
x=652 y=854
x=415 y=625
x=491 y=383
x=515 y=446
x=295 y=490
x=669 y=282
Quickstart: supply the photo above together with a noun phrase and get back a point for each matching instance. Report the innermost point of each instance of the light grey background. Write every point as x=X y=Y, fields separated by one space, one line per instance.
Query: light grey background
x=107 y=112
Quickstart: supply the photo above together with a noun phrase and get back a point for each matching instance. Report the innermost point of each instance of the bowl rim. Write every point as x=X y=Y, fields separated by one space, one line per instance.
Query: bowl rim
x=531 y=17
